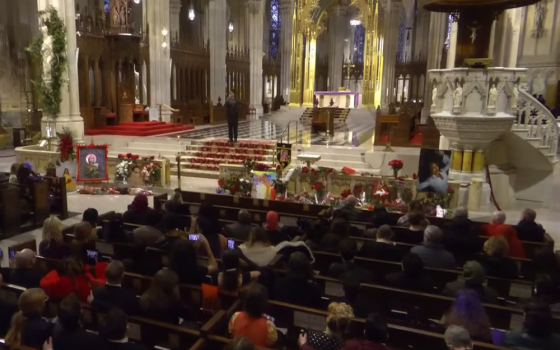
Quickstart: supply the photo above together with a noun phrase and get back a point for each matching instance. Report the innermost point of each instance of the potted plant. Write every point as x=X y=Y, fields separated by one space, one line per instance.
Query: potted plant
x=49 y=47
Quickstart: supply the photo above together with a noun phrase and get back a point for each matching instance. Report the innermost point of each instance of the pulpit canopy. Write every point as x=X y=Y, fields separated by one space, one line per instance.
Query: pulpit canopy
x=461 y=5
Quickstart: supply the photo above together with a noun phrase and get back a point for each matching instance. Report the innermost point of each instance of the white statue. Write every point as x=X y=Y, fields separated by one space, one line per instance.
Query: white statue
x=538 y=20
x=514 y=97
x=492 y=96
x=434 y=96
x=473 y=33
x=458 y=96
x=47 y=52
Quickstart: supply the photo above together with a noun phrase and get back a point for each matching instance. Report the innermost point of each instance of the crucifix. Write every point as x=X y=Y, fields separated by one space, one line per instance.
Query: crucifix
x=348 y=65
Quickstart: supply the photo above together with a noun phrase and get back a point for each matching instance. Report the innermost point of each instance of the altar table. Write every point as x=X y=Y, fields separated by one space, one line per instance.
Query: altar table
x=341 y=99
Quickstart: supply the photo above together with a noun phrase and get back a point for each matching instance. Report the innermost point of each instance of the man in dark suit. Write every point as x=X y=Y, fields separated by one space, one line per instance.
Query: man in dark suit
x=412 y=276
x=232 y=111
x=112 y=294
x=382 y=248
x=527 y=229
x=349 y=211
x=25 y=274
x=242 y=228
x=347 y=249
x=115 y=330
x=460 y=237
x=68 y=334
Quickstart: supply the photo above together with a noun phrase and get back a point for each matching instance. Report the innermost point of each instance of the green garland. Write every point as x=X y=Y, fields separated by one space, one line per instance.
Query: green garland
x=51 y=93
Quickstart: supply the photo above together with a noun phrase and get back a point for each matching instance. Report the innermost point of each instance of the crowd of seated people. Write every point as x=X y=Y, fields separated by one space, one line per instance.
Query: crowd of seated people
x=244 y=272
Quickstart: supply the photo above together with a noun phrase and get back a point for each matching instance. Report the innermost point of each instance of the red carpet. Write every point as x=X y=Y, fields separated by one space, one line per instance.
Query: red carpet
x=139 y=129
x=416 y=140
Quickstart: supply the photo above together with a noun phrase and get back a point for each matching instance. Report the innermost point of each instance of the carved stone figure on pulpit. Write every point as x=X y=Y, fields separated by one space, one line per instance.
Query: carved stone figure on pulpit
x=492 y=96
x=47 y=52
x=458 y=96
x=434 y=96
x=514 y=97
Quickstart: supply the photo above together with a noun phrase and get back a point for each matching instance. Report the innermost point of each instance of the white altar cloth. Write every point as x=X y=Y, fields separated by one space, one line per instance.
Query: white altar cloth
x=341 y=99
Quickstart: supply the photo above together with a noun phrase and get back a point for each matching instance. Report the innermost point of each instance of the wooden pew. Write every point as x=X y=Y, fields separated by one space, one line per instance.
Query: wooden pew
x=10 y=211
x=380 y=268
x=148 y=331
x=293 y=318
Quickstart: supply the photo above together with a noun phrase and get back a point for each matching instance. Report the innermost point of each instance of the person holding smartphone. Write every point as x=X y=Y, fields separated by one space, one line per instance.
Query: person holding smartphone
x=183 y=261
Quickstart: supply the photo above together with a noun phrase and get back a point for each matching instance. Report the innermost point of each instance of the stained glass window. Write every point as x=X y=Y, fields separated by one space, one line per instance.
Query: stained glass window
x=106 y=7
x=402 y=43
x=448 y=37
x=359 y=39
x=274 y=28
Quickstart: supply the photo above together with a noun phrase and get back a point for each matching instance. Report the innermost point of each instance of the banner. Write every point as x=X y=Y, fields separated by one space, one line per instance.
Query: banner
x=92 y=162
x=284 y=154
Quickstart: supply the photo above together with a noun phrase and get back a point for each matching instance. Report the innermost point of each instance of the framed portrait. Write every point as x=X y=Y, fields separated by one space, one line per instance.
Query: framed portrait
x=433 y=171
x=92 y=162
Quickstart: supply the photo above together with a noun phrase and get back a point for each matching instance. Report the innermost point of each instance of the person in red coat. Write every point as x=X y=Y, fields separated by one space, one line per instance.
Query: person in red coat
x=72 y=276
x=499 y=228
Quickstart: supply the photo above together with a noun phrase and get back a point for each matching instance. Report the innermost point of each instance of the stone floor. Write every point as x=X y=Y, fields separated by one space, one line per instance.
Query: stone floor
x=357 y=134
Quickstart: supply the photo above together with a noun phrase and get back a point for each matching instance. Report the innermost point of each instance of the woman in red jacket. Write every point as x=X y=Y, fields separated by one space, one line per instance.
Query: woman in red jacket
x=498 y=227
x=71 y=276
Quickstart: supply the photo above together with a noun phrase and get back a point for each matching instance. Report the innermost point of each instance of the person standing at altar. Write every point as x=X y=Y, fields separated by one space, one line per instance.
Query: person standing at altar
x=232 y=110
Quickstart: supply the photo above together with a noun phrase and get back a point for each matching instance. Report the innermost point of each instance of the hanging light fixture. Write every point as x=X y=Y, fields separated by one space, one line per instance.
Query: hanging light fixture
x=355 y=22
x=191 y=13
x=230 y=27
x=136 y=2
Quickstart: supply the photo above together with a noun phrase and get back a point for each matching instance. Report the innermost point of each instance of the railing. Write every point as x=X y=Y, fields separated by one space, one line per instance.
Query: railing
x=161 y=106
x=286 y=133
x=537 y=120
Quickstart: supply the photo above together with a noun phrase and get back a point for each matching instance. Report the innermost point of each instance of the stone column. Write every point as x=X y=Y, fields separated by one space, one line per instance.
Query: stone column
x=266 y=27
x=69 y=116
x=286 y=15
x=409 y=8
x=175 y=11
x=160 y=61
x=390 y=43
x=337 y=33
x=217 y=33
x=452 y=52
x=437 y=34
x=255 y=10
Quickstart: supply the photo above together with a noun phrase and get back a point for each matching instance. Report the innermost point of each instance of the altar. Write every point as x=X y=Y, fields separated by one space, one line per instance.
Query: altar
x=341 y=99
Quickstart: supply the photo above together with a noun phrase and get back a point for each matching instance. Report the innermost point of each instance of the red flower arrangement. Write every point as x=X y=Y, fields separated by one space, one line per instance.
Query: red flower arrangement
x=345 y=193
x=414 y=176
x=319 y=186
x=278 y=167
x=66 y=145
x=396 y=164
x=262 y=167
x=305 y=170
x=132 y=156
x=450 y=190
x=369 y=207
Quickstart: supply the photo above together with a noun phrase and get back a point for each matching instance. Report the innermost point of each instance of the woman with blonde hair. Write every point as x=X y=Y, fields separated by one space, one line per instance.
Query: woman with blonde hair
x=52 y=245
x=496 y=262
x=339 y=318
x=28 y=327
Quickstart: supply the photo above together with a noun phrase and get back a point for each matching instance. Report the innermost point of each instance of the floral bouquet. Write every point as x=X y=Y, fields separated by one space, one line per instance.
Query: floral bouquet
x=262 y=167
x=320 y=191
x=122 y=169
x=245 y=187
x=151 y=172
x=66 y=145
x=345 y=193
x=396 y=164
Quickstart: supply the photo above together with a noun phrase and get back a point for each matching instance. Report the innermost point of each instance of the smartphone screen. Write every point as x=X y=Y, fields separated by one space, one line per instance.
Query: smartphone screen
x=92 y=254
x=12 y=254
x=193 y=237
x=231 y=244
